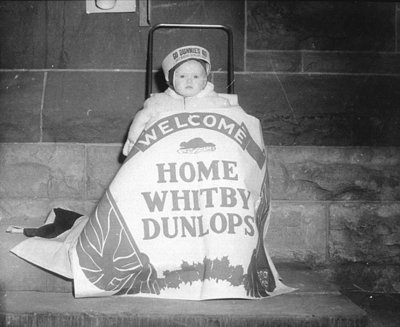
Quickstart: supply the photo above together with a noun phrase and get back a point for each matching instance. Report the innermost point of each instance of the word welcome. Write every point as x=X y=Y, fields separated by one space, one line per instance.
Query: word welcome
x=220 y=123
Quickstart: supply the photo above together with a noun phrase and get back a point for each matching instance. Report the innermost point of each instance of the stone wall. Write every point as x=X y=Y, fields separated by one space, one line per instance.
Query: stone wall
x=334 y=207
x=322 y=76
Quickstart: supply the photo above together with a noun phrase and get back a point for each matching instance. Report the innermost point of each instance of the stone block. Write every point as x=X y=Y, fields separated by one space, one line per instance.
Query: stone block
x=298 y=109
x=22 y=41
x=42 y=171
x=20 y=105
x=376 y=96
x=294 y=96
x=334 y=174
x=79 y=40
x=333 y=110
x=59 y=34
x=103 y=161
x=297 y=232
x=315 y=25
x=367 y=233
x=377 y=130
x=273 y=61
x=351 y=62
x=91 y=107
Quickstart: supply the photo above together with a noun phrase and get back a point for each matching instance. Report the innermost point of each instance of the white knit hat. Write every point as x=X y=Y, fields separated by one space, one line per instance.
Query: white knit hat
x=183 y=54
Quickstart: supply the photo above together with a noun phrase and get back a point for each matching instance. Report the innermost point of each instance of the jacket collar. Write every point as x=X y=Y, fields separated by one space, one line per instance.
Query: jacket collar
x=204 y=92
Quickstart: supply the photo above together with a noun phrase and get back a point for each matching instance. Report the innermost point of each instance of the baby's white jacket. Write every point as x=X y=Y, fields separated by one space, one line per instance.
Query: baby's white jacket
x=170 y=101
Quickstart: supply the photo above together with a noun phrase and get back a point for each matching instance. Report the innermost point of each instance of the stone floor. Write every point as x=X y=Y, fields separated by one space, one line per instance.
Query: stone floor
x=383 y=310
x=315 y=303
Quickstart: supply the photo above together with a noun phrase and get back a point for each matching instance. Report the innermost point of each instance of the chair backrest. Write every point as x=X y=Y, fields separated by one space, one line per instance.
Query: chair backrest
x=149 y=69
x=232 y=98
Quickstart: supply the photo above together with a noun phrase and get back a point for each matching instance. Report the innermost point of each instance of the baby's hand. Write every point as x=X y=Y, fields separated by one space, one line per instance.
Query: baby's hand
x=136 y=128
x=127 y=147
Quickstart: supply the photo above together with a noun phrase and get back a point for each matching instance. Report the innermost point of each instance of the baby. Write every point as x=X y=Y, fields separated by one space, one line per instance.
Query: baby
x=186 y=71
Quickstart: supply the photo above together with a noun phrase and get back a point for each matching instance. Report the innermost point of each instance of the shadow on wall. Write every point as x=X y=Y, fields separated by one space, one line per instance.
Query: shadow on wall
x=159 y=81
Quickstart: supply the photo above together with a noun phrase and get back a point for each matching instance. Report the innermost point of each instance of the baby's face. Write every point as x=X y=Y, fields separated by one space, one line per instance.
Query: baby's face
x=190 y=78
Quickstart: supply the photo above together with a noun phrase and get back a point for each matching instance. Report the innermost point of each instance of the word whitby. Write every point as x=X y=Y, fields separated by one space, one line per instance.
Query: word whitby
x=181 y=200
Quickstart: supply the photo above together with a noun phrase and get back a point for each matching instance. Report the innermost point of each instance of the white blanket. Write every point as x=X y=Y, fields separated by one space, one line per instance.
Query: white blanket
x=185 y=217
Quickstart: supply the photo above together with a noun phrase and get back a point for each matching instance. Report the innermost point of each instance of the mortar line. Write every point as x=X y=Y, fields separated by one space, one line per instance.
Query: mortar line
x=42 y=106
x=316 y=73
x=85 y=160
x=319 y=51
x=273 y=202
x=396 y=14
x=89 y=70
x=327 y=231
x=215 y=72
x=333 y=202
x=245 y=38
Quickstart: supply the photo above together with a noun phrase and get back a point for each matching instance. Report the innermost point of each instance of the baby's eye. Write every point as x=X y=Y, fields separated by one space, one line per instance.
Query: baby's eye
x=196 y=76
x=181 y=76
